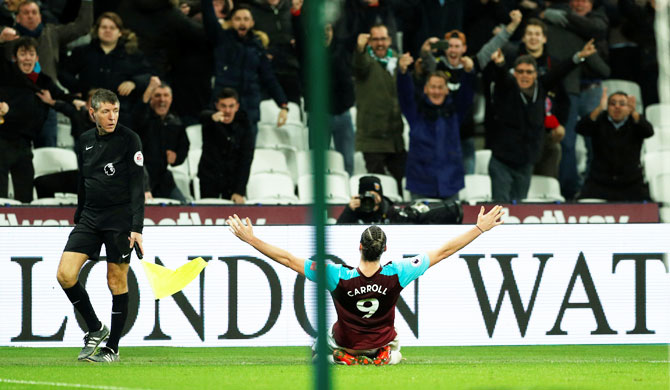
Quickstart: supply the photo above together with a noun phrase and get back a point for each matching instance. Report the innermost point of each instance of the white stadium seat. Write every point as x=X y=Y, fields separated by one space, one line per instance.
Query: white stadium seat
x=53 y=160
x=658 y=115
x=194 y=134
x=659 y=188
x=274 y=186
x=337 y=189
x=162 y=201
x=656 y=163
x=9 y=202
x=270 y=161
x=544 y=189
x=477 y=189
x=482 y=158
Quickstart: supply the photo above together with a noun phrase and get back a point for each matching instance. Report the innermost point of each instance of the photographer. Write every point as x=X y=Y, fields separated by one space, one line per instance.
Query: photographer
x=369 y=206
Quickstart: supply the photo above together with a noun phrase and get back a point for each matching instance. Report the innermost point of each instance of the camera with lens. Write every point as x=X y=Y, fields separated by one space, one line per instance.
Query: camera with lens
x=367 y=202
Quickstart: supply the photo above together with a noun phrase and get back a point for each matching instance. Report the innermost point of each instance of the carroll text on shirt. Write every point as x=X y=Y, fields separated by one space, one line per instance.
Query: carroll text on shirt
x=366 y=289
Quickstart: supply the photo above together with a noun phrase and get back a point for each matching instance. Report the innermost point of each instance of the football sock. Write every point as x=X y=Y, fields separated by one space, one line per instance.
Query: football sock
x=119 y=315
x=79 y=298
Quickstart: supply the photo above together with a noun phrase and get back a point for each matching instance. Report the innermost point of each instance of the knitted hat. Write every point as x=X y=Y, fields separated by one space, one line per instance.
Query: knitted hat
x=370 y=183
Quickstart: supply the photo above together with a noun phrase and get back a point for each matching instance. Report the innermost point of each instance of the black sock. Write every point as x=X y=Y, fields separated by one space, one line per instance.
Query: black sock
x=79 y=298
x=119 y=315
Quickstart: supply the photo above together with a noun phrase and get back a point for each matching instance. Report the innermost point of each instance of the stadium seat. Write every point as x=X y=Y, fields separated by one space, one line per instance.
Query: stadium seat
x=658 y=115
x=389 y=186
x=193 y=162
x=59 y=201
x=194 y=134
x=55 y=171
x=337 y=189
x=271 y=186
x=182 y=178
x=359 y=164
x=657 y=142
x=477 y=189
x=53 y=160
x=270 y=161
x=591 y=200
x=656 y=163
x=665 y=214
x=659 y=188
x=162 y=201
x=406 y=195
x=64 y=137
x=213 y=201
x=482 y=158
x=9 y=202
x=629 y=87
x=294 y=134
x=270 y=112
x=334 y=163
x=544 y=189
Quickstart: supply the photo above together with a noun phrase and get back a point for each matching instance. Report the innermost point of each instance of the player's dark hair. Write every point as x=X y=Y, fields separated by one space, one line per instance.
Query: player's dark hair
x=373 y=241
x=227 y=93
x=103 y=96
x=26 y=43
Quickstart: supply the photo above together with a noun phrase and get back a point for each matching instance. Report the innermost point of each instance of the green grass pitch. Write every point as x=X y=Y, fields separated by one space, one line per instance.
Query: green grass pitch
x=609 y=367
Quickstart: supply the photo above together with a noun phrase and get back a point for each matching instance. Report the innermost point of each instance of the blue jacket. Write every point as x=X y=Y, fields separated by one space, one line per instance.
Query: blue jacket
x=241 y=64
x=434 y=161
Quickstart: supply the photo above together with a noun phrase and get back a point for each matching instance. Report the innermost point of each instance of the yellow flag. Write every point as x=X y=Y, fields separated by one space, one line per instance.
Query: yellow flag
x=165 y=282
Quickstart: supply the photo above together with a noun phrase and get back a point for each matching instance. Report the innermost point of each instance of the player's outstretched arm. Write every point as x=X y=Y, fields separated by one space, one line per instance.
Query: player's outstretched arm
x=485 y=222
x=244 y=231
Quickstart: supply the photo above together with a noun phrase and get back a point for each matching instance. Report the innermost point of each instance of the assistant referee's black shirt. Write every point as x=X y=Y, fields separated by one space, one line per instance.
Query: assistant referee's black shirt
x=111 y=173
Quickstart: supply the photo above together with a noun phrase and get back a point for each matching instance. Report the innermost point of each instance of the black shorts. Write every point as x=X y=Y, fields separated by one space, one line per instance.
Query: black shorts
x=110 y=227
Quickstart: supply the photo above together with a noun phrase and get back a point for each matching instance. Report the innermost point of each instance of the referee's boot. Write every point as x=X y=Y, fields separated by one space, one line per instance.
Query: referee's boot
x=91 y=342
x=104 y=355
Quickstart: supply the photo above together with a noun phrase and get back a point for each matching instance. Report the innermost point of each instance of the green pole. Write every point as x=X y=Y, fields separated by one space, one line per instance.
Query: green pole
x=318 y=101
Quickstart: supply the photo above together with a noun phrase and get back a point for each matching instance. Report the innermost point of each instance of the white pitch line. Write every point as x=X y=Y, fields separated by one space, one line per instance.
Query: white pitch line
x=71 y=385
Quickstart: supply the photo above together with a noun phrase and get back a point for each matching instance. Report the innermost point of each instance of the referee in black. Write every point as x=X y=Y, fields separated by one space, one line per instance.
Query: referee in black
x=110 y=211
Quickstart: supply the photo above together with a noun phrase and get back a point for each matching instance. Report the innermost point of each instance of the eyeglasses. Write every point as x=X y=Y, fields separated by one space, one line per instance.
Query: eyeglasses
x=524 y=71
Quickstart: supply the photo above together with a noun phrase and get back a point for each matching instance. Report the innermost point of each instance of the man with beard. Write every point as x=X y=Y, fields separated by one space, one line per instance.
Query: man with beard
x=241 y=63
x=379 y=125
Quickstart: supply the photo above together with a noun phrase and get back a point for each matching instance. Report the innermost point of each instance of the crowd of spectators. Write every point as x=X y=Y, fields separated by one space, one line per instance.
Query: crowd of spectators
x=538 y=64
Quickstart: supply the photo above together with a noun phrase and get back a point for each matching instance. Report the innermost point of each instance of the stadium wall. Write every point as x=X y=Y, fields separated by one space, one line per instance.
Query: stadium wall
x=515 y=285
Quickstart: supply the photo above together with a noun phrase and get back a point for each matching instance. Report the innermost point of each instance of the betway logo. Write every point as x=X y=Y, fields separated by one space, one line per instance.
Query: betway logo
x=557 y=216
x=192 y=218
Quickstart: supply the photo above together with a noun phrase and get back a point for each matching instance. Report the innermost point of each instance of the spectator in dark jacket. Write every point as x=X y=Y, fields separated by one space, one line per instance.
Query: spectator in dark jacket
x=227 y=149
x=617 y=131
x=241 y=63
x=274 y=18
x=519 y=113
x=163 y=138
x=23 y=90
x=111 y=61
